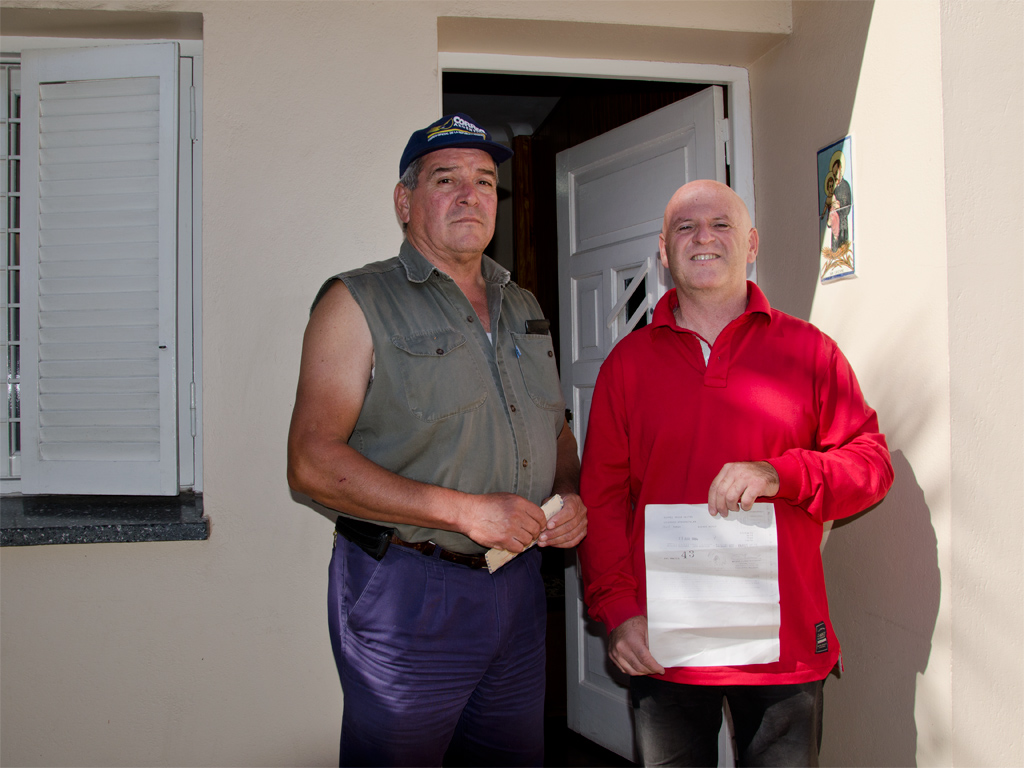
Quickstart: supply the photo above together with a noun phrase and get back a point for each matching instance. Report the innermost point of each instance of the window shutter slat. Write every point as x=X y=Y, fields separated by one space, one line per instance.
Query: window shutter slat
x=107 y=87
x=93 y=335
x=57 y=103
x=100 y=369
x=54 y=124
x=84 y=172
x=106 y=418
x=96 y=236
x=98 y=202
x=101 y=200
x=99 y=267
x=86 y=154
x=104 y=317
x=90 y=252
x=128 y=185
x=99 y=452
x=145 y=401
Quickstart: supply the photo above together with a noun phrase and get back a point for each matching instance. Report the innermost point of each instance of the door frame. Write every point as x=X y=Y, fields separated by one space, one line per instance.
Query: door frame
x=739 y=143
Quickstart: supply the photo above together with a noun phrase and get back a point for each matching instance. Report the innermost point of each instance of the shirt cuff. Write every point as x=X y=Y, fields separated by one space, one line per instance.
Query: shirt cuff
x=790 y=473
x=618 y=611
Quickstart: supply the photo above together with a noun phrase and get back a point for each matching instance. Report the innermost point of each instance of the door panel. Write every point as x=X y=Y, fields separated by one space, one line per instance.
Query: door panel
x=610 y=202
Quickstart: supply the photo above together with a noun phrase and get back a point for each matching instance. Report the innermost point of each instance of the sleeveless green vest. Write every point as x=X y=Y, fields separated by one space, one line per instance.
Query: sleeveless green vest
x=446 y=405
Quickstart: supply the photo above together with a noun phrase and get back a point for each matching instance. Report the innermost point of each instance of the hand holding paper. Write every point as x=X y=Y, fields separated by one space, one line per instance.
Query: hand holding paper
x=629 y=648
x=498 y=557
x=739 y=484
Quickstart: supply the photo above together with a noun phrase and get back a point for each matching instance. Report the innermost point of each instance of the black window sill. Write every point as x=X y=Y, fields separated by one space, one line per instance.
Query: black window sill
x=37 y=520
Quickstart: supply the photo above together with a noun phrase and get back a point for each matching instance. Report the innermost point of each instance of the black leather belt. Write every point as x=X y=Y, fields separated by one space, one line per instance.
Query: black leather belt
x=374 y=540
x=430 y=549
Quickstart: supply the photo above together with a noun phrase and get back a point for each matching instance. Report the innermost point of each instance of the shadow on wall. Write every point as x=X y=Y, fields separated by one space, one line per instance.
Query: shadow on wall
x=882 y=572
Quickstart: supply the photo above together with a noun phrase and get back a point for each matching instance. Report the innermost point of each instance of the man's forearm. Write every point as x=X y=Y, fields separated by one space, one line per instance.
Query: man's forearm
x=341 y=478
x=567 y=463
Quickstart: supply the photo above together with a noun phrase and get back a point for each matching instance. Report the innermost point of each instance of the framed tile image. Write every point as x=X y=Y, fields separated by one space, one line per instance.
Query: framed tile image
x=835 y=211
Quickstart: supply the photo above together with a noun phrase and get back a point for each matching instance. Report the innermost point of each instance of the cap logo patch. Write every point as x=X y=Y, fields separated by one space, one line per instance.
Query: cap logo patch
x=456 y=126
x=457 y=131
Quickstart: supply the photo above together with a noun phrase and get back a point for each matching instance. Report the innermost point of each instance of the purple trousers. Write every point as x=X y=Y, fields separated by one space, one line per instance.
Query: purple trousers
x=438 y=661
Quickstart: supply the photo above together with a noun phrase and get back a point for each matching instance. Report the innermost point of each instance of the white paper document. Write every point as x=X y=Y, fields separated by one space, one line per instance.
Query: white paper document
x=712 y=585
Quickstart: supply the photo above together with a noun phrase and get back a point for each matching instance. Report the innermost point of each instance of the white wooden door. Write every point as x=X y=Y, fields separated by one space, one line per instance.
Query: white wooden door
x=612 y=192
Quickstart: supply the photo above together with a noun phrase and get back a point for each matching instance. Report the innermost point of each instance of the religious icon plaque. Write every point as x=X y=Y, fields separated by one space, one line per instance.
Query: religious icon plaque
x=835 y=211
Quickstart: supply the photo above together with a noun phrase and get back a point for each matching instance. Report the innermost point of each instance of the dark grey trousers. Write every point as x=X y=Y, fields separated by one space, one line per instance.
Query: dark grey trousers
x=774 y=725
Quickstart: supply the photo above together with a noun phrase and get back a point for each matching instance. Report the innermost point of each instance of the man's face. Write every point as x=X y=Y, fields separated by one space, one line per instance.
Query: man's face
x=707 y=239
x=837 y=171
x=450 y=214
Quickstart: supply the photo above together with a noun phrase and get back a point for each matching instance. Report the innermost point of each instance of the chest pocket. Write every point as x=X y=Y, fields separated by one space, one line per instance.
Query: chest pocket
x=440 y=374
x=537 y=364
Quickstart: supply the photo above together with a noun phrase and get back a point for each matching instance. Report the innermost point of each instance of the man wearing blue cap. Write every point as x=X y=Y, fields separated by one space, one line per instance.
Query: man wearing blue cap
x=429 y=414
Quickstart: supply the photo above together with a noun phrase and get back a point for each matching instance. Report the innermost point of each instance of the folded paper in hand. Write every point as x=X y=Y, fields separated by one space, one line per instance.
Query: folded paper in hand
x=498 y=557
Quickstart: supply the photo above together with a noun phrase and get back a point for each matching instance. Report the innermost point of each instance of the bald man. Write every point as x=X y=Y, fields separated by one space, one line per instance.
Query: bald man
x=723 y=401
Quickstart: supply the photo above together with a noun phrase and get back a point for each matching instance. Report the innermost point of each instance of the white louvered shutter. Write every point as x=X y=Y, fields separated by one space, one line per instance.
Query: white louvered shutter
x=99 y=270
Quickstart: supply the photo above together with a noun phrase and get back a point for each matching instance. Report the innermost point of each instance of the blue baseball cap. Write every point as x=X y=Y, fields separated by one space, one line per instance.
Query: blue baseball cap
x=450 y=131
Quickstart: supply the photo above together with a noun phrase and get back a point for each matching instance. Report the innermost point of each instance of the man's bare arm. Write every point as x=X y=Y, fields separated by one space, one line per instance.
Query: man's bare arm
x=337 y=355
x=568 y=527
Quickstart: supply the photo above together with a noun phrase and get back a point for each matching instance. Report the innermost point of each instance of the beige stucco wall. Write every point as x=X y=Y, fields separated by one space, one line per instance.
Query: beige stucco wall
x=217 y=653
x=925 y=590
x=982 y=76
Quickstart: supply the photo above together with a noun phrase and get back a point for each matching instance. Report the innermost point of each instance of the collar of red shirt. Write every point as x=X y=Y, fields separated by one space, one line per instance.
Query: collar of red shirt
x=757 y=302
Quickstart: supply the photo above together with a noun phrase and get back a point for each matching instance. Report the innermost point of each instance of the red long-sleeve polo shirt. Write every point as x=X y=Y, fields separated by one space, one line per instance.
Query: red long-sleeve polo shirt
x=663 y=423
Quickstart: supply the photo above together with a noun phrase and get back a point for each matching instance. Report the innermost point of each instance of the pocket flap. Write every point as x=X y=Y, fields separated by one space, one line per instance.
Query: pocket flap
x=430 y=343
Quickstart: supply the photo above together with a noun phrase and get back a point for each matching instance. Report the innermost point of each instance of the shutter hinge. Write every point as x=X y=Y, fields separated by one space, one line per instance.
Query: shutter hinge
x=722 y=134
x=192 y=406
x=192 y=112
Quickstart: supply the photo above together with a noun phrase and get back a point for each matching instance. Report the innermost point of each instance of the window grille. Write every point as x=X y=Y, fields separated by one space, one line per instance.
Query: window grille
x=10 y=124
